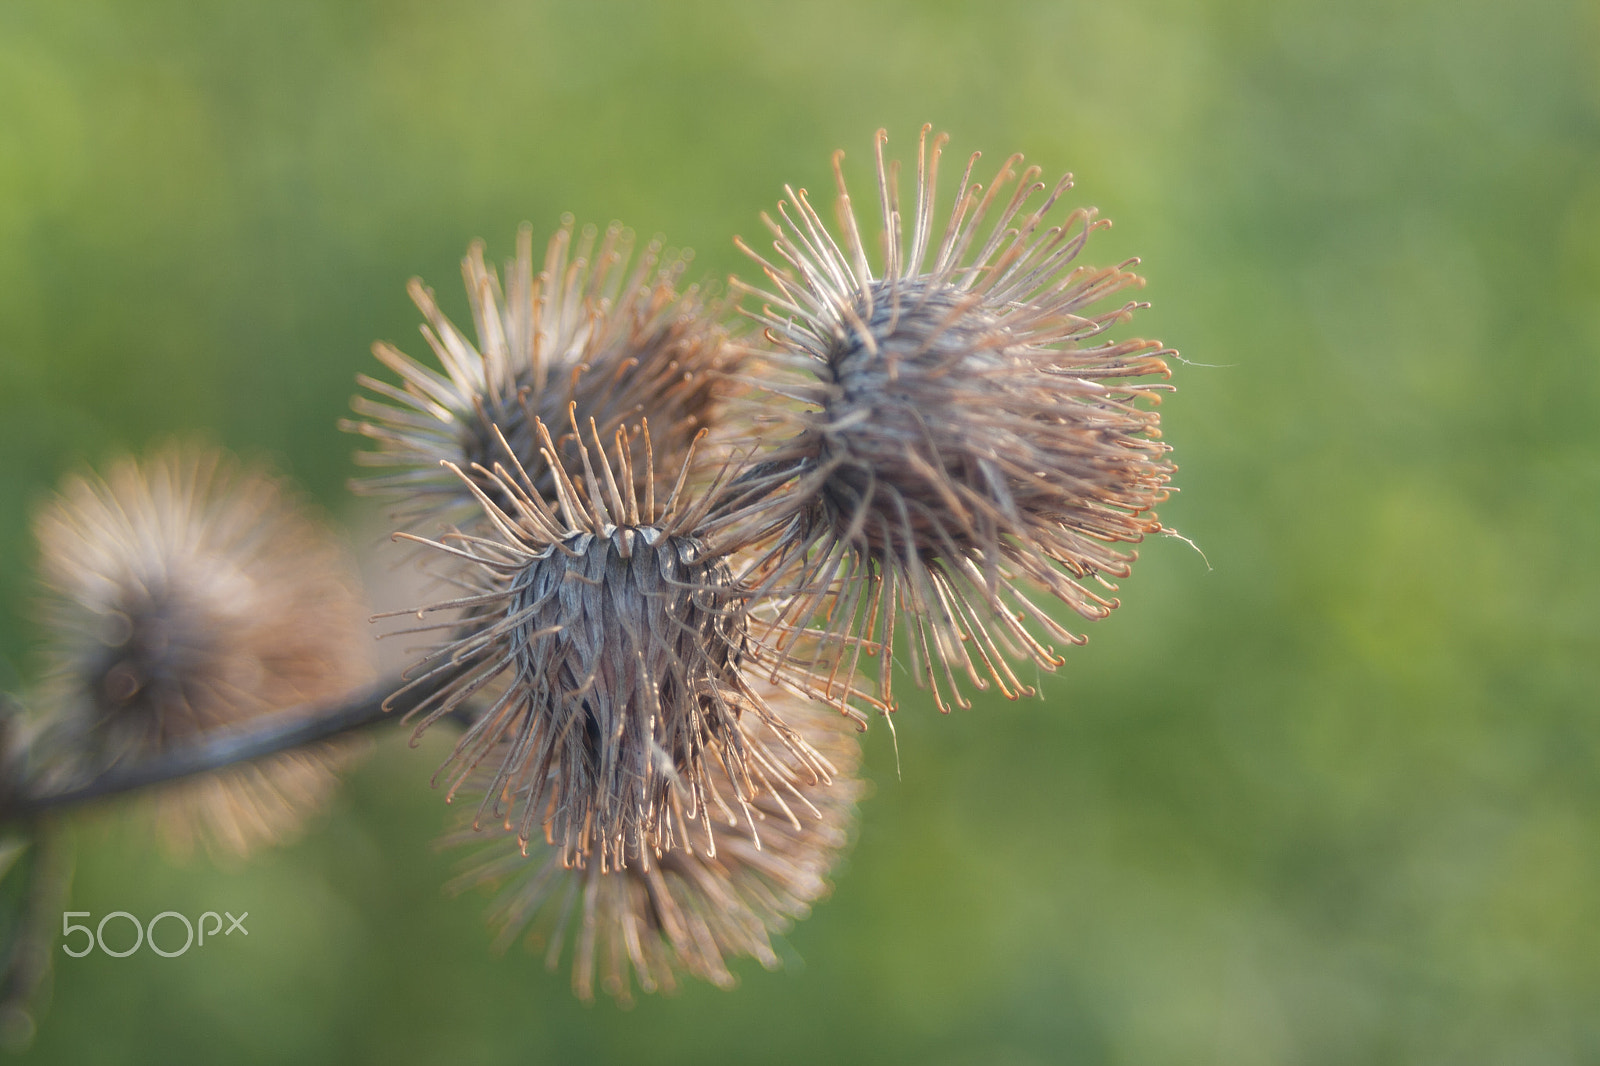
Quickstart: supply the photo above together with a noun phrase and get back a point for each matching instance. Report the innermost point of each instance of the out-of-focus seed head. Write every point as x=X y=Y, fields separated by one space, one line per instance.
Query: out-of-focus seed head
x=183 y=595
x=961 y=430
x=695 y=907
x=621 y=343
x=617 y=644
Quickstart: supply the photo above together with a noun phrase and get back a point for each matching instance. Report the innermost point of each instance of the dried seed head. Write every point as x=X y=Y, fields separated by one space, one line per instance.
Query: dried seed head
x=692 y=910
x=963 y=432
x=184 y=595
x=622 y=344
x=616 y=642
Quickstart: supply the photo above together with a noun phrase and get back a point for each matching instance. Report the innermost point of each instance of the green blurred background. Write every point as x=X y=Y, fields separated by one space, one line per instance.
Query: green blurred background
x=1333 y=799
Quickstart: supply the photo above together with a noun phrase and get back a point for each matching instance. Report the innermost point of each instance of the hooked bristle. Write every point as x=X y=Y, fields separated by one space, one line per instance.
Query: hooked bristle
x=960 y=433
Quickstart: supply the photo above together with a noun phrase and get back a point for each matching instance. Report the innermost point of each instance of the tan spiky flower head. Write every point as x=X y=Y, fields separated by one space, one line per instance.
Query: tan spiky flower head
x=962 y=431
x=617 y=643
x=183 y=595
x=622 y=343
x=694 y=908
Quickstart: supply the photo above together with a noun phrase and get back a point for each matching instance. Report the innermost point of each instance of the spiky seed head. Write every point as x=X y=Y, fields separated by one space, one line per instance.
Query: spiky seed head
x=695 y=908
x=622 y=343
x=184 y=594
x=961 y=430
x=616 y=645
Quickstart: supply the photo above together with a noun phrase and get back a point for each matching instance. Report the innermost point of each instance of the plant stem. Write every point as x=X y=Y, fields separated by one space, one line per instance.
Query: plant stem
x=223 y=748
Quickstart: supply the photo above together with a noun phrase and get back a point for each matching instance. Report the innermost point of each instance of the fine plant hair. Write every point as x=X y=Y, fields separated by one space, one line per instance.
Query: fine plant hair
x=686 y=539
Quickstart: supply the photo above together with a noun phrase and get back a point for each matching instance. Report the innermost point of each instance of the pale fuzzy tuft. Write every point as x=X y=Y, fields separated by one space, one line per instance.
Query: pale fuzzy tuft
x=185 y=595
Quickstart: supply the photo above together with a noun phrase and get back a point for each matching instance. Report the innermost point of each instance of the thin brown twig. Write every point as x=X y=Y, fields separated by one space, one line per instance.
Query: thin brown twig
x=257 y=739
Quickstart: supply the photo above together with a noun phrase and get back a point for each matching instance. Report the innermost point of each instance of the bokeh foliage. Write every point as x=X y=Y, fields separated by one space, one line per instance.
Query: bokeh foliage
x=1333 y=798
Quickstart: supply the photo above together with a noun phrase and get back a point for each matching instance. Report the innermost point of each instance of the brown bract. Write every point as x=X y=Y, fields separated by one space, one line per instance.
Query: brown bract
x=621 y=342
x=960 y=431
x=184 y=595
x=703 y=902
x=617 y=644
